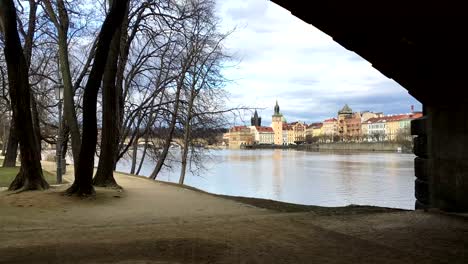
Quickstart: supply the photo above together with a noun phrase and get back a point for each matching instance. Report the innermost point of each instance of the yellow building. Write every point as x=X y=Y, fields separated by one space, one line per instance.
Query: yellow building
x=277 y=125
x=299 y=131
x=240 y=136
x=385 y=128
x=317 y=130
x=289 y=133
x=393 y=125
x=309 y=131
x=330 y=127
x=314 y=132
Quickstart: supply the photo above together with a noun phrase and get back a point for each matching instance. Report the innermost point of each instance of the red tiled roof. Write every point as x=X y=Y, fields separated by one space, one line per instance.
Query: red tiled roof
x=391 y=118
x=238 y=128
x=315 y=125
x=264 y=129
x=329 y=120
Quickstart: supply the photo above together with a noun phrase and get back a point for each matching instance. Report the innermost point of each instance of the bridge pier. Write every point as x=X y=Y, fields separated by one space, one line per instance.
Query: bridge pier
x=441 y=165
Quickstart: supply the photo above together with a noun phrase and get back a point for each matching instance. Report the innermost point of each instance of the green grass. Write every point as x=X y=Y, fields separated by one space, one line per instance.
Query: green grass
x=8 y=174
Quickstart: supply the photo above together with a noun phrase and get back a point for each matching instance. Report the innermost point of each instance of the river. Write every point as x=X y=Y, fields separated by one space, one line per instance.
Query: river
x=303 y=177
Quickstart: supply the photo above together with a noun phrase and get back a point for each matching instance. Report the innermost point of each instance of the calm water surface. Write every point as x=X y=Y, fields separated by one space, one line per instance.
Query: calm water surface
x=313 y=178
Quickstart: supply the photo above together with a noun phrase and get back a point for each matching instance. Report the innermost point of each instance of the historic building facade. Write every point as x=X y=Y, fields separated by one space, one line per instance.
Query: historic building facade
x=349 y=123
x=299 y=131
x=240 y=136
x=263 y=135
x=330 y=128
x=277 y=121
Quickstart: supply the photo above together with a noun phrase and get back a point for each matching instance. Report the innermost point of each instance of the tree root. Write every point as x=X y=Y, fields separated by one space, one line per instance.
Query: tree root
x=108 y=183
x=80 y=191
x=22 y=183
x=105 y=180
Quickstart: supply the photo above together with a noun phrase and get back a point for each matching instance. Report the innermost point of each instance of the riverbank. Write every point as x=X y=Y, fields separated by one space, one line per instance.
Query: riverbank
x=341 y=146
x=357 y=146
x=156 y=222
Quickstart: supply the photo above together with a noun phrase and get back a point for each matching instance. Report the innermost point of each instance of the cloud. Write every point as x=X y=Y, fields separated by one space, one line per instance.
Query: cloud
x=282 y=58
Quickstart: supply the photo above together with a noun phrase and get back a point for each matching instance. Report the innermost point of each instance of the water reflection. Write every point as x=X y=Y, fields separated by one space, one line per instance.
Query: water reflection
x=277 y=174
x=318 y=178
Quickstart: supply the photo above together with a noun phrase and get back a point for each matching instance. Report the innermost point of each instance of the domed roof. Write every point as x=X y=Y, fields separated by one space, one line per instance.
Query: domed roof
x=283 y=119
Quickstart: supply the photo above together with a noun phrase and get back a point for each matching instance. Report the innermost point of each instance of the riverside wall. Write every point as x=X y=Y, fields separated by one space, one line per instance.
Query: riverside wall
x=362 y=146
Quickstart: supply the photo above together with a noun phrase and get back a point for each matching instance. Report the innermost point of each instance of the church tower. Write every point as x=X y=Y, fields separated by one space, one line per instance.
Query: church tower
x=277 y=125
x=255 y=120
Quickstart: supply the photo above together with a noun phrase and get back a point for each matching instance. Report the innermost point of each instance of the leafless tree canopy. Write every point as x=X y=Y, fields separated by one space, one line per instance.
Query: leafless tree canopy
x=165 y=86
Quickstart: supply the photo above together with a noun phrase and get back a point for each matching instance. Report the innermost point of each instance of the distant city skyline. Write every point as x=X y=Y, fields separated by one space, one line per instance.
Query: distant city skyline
x=267 y=119
x=279 y=57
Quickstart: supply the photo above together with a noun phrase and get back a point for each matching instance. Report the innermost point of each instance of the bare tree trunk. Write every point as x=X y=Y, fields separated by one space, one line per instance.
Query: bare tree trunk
x=134 y=155
x=62 y=24
x=110 y=117
x=12 y=147
x=36 y=126
x=168 y=141
x=5 y=140
x=28 y=45
x=187 y=131
x=82 y=185
x=123 y=58
x=145 y=148
x=30 y=175
x=185 y=152
x=69 y=111
x=65 y=139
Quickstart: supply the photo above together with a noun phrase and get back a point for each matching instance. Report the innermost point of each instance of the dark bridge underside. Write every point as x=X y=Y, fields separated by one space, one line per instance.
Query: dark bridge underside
x=423 y=46
x=416 y=43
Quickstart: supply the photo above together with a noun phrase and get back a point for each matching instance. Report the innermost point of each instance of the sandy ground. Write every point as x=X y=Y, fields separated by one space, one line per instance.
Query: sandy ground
x=153 y=222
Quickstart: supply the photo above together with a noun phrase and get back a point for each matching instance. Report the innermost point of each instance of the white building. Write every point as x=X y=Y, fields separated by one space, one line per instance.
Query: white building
x=263 y=135
x=376 y=129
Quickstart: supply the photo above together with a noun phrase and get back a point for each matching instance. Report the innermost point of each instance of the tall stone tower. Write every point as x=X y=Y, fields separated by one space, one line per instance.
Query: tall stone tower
x=255 y=120
x=345 y=113
x=277 y=125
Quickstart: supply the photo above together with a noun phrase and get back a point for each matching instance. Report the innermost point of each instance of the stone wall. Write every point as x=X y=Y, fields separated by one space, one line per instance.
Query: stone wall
x=443 y=157
x=363 y=146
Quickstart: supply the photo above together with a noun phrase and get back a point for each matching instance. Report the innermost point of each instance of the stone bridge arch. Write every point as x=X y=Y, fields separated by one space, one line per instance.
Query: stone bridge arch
x=423 y=46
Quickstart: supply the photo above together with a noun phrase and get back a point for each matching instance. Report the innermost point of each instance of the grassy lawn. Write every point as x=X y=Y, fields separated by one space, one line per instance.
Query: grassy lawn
x=8 y=174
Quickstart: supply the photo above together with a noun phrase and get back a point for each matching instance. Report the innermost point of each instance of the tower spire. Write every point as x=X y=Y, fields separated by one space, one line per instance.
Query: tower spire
x=277 y=109
x=256 y=120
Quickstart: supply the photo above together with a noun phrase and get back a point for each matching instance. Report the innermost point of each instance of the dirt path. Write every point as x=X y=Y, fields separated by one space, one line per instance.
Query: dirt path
x=152 y=222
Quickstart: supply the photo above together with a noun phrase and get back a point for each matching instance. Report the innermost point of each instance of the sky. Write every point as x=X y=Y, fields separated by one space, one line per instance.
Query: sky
x=279 y=57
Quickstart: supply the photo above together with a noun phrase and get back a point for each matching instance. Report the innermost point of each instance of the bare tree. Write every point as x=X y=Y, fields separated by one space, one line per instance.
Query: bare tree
x=82 y=185
x=110 y=113
x=60 y=19
x=203 y=74
x=30 y=175
x=27 y=35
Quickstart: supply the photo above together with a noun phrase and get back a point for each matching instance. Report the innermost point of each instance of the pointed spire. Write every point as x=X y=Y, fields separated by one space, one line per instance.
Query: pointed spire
x=277 y=108
x=255 y=120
